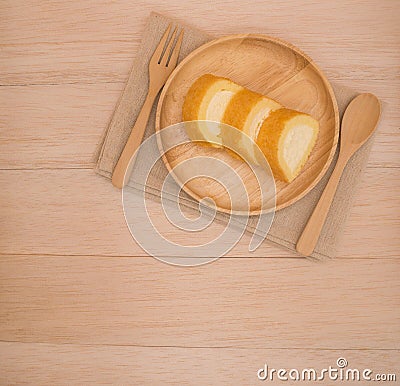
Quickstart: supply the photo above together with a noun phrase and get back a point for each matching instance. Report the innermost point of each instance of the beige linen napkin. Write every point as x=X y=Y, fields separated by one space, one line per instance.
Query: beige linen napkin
x=288 y=223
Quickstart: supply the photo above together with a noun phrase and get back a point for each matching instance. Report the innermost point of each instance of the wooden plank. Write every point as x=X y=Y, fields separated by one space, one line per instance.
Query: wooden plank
x=33 y=21
x=54 y=126
x=71 y=210
x=60 y=126
x=30 y=363
x=111 y=60
x=57 y=55
x=54 y=211
x=71 y=62
x=253 y=303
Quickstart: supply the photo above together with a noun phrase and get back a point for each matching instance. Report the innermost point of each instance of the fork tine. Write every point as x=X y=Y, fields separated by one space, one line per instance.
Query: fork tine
x=163 y=61
x=159 y=50
x=175 y=53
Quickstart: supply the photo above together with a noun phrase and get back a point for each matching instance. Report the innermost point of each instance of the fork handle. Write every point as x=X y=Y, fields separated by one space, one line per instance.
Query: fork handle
x=133 y=143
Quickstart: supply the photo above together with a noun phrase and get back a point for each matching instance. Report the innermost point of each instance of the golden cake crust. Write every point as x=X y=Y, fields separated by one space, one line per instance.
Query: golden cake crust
x=198 y=100
x=195 y=96
x=268 y=138
x=239 y=108
x=270 y=135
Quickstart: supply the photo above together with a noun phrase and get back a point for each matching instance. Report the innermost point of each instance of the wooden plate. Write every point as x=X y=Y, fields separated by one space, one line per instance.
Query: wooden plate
x=273 y=68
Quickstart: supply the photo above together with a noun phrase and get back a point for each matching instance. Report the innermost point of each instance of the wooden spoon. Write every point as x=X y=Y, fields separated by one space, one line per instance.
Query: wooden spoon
x=359 y=122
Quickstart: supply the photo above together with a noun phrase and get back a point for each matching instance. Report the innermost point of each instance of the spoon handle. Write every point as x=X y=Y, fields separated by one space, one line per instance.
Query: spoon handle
x=309 y=237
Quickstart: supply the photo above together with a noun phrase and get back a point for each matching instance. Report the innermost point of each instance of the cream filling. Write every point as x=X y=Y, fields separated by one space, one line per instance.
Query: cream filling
x=258 y=120
x=253 y=130
x=215 y=112
x=296 y=144
x=247 y=146
x=218 y=104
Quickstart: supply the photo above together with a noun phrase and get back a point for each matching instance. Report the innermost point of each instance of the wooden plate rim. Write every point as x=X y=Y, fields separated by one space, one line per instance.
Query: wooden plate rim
x=267 y=39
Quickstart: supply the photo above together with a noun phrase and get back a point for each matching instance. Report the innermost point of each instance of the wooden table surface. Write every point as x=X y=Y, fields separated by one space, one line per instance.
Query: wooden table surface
x=81 y=303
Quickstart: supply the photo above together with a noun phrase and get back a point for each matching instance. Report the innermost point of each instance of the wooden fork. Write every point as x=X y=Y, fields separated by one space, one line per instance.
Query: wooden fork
x=161 y=64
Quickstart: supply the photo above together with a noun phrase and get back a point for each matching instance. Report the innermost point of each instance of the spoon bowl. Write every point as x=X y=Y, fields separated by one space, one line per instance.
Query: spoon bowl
x=359 y=121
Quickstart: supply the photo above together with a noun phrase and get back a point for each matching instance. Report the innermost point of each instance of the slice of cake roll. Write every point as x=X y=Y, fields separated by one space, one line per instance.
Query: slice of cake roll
x=207 y=100
x=246 y=111
x=285 y=137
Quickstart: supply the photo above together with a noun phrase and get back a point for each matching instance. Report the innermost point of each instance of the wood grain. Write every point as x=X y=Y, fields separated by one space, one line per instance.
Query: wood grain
x=63 y=66
x=56 y=126
x=105 y=61
x=105 y=365
x=79 y=20
x=247 y=303
x=53 y=211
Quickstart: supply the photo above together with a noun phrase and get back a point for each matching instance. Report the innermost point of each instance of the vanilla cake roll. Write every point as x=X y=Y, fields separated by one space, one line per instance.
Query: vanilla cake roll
x=207 y=100
x=246 y=111
x=286 y=137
